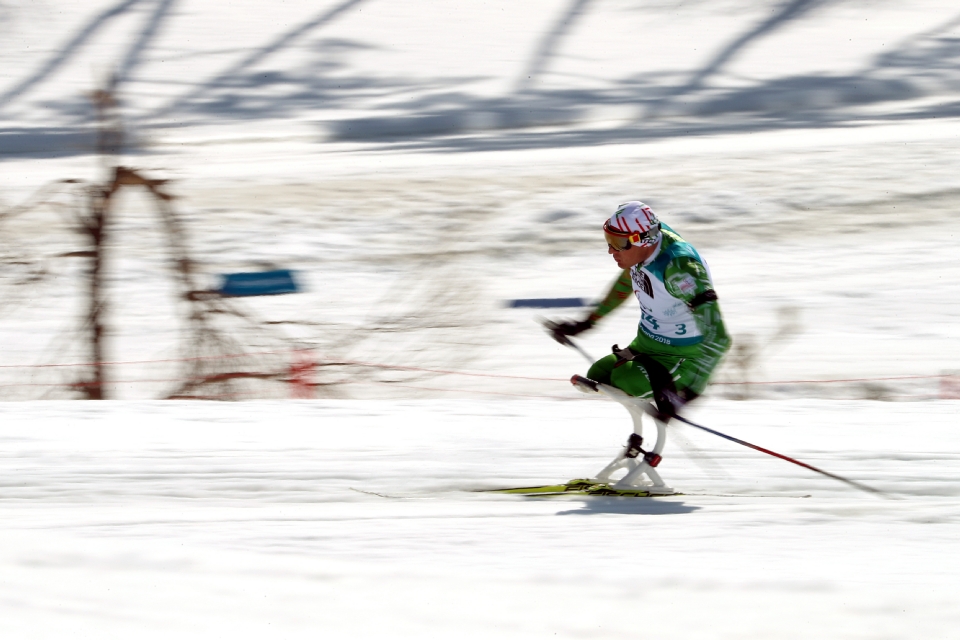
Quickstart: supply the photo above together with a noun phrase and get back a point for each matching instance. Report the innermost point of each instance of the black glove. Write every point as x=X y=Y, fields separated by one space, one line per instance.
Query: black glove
x=669 y=402
x=560 y=330
x=623 y=355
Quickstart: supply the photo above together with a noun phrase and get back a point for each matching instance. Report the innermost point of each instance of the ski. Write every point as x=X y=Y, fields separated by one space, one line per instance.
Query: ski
x=586 y=487
x=583 y=487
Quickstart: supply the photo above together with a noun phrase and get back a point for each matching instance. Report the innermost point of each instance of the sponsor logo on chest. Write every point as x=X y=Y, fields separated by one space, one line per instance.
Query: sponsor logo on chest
x=641 y=281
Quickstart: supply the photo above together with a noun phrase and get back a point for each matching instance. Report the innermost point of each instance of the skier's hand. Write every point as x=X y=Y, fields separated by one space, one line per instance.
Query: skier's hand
x=559 y=331
x=670 y=402
x=623 y=355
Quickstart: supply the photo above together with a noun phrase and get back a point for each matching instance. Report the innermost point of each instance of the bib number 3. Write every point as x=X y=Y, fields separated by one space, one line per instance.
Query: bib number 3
x=679 y=329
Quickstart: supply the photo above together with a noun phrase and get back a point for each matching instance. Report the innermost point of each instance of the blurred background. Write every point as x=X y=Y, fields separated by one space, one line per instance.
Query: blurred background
x=411 y=170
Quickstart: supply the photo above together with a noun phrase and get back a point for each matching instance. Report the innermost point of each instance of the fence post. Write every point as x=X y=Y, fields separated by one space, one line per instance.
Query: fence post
x=302 y=366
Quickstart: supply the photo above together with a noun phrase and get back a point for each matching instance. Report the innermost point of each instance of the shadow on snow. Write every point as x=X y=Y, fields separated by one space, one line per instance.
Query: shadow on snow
x=444 y=114
x=629 y=506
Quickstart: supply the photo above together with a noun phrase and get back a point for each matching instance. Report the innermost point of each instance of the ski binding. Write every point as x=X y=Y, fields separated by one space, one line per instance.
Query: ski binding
x=641 y=479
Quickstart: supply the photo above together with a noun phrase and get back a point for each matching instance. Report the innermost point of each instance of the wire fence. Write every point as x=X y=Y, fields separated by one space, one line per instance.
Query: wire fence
x=297 y=372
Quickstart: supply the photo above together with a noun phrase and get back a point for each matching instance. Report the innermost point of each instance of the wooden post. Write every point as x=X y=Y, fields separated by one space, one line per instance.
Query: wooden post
x=96 y=228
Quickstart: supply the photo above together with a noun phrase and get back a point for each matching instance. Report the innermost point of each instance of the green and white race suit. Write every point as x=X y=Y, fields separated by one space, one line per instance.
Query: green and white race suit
x=680 y=322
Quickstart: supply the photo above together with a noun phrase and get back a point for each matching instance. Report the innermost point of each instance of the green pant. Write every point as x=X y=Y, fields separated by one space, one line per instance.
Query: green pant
x=632 y=377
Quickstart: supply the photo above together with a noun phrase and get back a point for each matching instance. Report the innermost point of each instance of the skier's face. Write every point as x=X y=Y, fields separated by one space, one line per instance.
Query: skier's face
x=635 y=255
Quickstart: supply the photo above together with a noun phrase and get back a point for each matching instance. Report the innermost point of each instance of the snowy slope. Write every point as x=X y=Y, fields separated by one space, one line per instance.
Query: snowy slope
x=356 y=519
x=803 y=146
x=865 y=254
x=419 y=164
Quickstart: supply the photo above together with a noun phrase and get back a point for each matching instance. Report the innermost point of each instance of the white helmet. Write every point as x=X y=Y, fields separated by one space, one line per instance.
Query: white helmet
x=634 y=223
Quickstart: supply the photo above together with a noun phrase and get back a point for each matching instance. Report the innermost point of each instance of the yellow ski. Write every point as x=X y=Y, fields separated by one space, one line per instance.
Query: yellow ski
x=574 y=487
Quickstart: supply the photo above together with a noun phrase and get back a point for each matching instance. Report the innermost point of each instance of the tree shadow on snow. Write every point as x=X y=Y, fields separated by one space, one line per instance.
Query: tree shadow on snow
x=67 y=51
x=629 y=506
x=243 y=73
x=669 y=105
x=446 y=114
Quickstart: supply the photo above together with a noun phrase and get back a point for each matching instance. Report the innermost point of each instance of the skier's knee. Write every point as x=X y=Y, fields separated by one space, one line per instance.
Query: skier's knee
x=600 y=371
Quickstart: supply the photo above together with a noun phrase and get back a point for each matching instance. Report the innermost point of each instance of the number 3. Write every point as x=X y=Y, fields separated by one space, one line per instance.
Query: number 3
x=681 y=329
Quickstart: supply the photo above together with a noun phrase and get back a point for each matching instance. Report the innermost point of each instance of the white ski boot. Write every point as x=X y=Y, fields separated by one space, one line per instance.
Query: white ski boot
x=640 y=465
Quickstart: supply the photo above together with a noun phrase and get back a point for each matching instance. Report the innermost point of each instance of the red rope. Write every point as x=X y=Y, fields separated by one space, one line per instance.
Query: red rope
x=832 y=381
x=329 y=362
x=445 y=371
x=493 y=393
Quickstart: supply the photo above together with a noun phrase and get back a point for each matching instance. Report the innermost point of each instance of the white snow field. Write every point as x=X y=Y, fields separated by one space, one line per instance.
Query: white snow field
x=419 y=164
x=358 y=519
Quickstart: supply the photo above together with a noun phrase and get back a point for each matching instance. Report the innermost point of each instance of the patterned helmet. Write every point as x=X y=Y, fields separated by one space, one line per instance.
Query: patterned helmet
x=634 y=223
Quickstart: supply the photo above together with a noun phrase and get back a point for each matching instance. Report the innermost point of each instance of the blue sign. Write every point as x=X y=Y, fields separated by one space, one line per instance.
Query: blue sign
x=259 y=283
x=547 y=303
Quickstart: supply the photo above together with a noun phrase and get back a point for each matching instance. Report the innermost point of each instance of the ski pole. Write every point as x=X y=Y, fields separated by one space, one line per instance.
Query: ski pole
x=565 y=340
x=571 y=343
x=853 y=483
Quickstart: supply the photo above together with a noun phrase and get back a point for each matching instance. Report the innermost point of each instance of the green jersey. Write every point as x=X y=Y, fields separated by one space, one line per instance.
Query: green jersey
x=679 y=313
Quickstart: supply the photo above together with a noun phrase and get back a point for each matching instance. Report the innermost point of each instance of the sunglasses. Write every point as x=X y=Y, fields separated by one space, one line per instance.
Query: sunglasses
x=623 y=240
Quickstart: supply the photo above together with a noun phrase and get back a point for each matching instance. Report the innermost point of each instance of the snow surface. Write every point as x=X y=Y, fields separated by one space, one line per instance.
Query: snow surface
x=419 y=164
x=347 y=518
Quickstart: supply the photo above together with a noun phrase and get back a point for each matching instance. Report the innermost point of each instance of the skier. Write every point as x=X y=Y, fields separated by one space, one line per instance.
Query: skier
x=680 y=341
x=681 y=337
